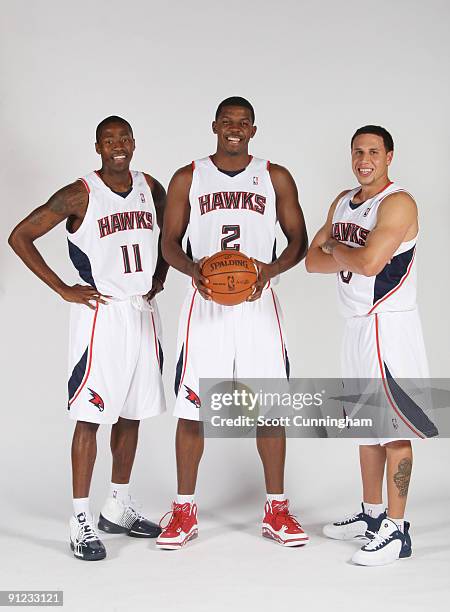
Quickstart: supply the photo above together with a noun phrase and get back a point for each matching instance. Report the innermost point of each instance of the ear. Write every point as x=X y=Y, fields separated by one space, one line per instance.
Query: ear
x=214 y=127
x=254 y=128
x=97 y=148
x=389 y=157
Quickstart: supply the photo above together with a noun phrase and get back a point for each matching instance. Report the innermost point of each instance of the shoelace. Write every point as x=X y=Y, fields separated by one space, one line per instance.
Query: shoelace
x=376 y=540
x=349 y=519
x=176 y=518
x=87 y=533
x=288 y=519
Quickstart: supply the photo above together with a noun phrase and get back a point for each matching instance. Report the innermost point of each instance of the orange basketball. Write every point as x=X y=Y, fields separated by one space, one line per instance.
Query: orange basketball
x=231 y=276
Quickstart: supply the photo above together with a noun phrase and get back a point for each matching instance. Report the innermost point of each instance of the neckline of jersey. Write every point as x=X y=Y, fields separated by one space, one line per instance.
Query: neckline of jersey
x=355 y=206
x=102 y=182
x=227 y=175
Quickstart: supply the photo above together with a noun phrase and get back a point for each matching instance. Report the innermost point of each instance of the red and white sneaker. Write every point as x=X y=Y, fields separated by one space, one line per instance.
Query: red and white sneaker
x=181 y=528
x=282 y=526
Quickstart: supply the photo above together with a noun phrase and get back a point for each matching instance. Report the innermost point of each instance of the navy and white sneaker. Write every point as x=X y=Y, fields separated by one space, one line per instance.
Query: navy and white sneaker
x=359 y=525
x=119 y=516
x=84 y=540
x=386 y=546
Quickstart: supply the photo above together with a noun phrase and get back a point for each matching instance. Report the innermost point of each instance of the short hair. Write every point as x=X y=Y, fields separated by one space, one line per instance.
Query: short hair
x=236 y=101
x=378 y=131
x=111 y=119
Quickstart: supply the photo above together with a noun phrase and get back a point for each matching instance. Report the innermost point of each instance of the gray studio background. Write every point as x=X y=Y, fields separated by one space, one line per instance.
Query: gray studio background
x=315 y=71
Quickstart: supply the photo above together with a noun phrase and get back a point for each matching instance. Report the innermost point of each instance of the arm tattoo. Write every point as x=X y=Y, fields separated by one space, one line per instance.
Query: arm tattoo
x=59 y=205
x=403 y=476
x=37 y=217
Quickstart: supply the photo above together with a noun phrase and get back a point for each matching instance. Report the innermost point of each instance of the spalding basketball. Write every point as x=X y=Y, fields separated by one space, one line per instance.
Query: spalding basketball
x=231 y=276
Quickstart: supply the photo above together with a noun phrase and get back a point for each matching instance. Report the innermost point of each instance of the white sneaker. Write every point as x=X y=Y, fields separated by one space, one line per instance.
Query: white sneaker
x=354 y=526
x=119 y=516
x=84 y=540
x=386 y=546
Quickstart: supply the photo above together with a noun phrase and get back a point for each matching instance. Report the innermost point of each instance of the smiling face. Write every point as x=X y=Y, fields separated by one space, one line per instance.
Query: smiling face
x=234 y=128
x=370 y=160
x=115 y=146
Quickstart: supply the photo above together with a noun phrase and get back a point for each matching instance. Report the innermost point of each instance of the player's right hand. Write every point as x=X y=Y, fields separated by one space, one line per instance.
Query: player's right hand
x=83 y=294
x=200 y=281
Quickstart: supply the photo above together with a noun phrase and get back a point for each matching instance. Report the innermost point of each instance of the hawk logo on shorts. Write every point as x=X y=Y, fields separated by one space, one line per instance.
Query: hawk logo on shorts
x=192 y=397
x=97 y=400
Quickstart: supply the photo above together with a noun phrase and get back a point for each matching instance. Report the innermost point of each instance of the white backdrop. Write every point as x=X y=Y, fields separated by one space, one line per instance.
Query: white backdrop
x=314 y=71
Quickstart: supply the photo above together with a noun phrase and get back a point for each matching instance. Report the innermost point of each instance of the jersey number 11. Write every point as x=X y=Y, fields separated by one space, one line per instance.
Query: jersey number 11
x=126 y=259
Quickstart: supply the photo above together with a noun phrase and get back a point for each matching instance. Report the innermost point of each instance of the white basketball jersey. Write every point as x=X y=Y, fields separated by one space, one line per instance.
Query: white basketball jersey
x=394 y=288
x=237 y=213
x=115 y=247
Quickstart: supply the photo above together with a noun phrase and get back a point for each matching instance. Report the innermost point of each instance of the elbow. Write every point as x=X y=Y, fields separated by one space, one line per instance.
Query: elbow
x=309 y=265
x=13 y=240
x=372 y=268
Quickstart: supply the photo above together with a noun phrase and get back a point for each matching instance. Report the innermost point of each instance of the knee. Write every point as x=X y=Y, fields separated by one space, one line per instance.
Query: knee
x=398 y=445
x=85 y=430
x=190 y=427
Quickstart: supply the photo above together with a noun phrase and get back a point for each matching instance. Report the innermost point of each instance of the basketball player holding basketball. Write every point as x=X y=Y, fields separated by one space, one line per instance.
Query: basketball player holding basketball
x=230 y=200
x=369 y=240
x=115 y=353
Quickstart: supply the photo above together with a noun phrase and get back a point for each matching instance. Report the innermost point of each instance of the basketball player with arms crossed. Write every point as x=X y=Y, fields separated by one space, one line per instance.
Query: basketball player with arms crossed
x=369 y=241
x=115 y=355
x=230 y=200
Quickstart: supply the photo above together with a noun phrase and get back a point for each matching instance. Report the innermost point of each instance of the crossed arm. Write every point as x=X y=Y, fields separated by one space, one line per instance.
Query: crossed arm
x=397 y=217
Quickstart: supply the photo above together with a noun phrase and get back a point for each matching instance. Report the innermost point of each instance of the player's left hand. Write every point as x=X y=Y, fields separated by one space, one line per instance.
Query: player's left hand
x=328 y=246
x=265 y=273
x=157 y=287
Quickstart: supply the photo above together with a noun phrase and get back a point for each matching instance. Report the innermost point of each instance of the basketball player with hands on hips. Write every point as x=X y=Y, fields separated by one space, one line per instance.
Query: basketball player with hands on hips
x=369 y=242
x=115 y=353
x=230 y=200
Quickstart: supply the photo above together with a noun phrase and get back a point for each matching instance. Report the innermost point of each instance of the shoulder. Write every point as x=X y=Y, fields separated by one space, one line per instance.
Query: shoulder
x=70 y=199
x=398 y=200
x=278 y=172
x=282 y=179
x=183 y=176
x=337 y=199
x=155 y=186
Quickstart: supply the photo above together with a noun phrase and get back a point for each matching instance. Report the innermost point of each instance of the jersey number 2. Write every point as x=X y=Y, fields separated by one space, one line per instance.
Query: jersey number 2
x=233 y=232
x=126 y=259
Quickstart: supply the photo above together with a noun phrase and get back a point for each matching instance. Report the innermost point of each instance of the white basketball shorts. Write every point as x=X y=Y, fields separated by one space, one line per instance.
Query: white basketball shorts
x=389 y=346
x=115 y=361
x=227 y=342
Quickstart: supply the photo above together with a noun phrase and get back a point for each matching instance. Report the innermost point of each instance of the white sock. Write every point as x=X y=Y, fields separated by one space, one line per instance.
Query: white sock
x=279 y=497
x=186 y=499
x=81 y=504
x=399 y=522
x=119 y=491
x=373 y=510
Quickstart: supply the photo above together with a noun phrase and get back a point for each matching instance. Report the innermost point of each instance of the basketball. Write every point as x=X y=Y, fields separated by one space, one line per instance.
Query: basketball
x=231 y=276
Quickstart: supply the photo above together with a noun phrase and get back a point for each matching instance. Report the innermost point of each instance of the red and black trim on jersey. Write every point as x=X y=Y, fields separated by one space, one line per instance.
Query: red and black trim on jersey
x=82 y=263
x=392 y=277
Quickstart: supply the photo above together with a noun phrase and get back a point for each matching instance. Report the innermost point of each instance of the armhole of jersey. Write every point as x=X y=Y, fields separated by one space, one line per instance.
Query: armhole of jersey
x=88 y=210
x=85 y=183
x=399 y=190
x=268 y=166
x=193 y=165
